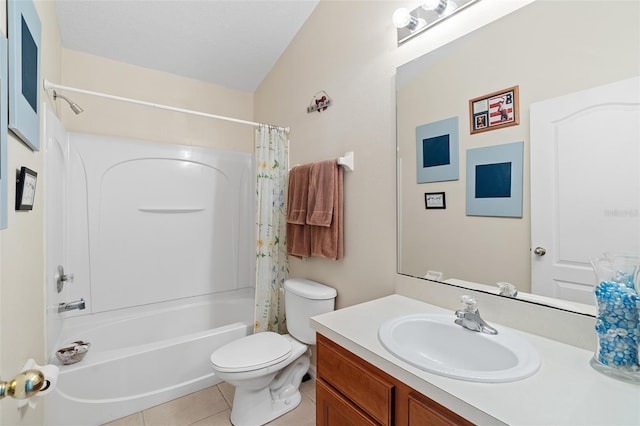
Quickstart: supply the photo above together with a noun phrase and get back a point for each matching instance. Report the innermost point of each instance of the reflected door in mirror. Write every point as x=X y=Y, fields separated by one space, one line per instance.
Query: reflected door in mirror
x=585 y=198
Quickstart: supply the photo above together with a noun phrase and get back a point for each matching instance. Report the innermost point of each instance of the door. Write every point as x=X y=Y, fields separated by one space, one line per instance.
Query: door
x=585 y=185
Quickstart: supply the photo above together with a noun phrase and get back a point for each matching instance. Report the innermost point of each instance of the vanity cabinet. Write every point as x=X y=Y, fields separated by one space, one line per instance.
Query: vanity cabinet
x=350 y=391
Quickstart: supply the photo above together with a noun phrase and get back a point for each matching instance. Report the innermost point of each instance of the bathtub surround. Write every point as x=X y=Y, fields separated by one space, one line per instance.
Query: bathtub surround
x=176 y=222
x=173 y=359
x=272 y=266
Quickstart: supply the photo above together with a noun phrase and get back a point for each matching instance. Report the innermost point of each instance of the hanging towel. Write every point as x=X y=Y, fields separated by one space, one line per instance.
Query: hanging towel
x=298 y=233
x=297 y=198
x=322 y=192
x=328 y=241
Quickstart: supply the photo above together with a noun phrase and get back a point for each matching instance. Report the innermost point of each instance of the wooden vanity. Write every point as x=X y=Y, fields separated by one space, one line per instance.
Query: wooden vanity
x=358 y=382
x=351 y=391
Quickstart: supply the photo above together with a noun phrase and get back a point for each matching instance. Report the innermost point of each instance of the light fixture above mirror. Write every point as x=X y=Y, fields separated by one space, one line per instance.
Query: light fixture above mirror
x=428 y=14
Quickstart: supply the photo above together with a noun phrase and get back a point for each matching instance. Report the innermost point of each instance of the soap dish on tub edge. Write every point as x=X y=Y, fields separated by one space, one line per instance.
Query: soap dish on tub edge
x=72 y=353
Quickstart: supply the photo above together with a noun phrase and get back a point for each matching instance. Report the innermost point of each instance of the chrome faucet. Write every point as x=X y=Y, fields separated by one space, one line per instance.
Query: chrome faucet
x=469 y=316
x=507 y=289
x=64 y=307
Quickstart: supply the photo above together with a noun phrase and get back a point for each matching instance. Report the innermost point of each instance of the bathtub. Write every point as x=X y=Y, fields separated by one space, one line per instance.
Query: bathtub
x=145 y=356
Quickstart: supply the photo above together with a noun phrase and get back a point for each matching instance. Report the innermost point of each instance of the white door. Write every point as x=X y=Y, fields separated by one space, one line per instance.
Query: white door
x=585 y=185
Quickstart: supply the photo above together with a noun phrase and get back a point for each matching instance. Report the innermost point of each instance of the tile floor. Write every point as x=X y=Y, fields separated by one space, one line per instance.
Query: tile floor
x=212 y=407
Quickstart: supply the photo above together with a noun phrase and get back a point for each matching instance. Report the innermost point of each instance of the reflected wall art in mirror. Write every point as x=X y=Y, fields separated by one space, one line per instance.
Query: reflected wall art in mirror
x=577 y=66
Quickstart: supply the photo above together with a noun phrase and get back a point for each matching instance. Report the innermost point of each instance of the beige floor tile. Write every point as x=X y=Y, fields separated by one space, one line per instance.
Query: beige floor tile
x=308 y=388
x=211 y=407
x=220 y=419
x=132 y=420
x=188 y=409
x=303 y=415
x=227 y=391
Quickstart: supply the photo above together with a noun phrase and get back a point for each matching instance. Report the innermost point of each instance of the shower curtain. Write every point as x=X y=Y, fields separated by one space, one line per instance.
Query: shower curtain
x=272 y=171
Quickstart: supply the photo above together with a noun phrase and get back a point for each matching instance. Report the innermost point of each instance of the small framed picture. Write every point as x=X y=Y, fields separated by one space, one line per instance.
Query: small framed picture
x=495 y=110
x=26 y=189
x=434 y=200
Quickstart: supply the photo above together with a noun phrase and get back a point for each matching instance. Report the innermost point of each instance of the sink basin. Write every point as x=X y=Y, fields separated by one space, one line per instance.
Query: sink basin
x=436 y=344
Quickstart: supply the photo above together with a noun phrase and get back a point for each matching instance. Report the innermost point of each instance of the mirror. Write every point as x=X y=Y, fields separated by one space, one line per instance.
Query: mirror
x=547 y=49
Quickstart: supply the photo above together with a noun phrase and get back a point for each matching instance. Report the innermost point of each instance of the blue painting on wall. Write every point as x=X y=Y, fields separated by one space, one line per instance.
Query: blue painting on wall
x=437 y=151
x=24 y=71
x=494 y=180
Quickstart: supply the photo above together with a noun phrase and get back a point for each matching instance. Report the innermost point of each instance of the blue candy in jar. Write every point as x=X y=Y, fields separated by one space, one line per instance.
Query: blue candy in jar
x=617 y=324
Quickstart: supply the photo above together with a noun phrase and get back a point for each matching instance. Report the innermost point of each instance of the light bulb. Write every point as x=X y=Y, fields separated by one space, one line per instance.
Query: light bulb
x=401 y=18
x=437 y=6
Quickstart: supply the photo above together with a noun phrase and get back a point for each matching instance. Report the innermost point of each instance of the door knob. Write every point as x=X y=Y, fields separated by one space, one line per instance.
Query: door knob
x=539 y=251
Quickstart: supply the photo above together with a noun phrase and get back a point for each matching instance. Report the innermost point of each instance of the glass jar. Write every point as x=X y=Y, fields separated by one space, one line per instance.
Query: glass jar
x=618 y=316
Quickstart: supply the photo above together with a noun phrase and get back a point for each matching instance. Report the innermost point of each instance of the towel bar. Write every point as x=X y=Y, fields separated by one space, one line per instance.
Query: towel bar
x=346 y=161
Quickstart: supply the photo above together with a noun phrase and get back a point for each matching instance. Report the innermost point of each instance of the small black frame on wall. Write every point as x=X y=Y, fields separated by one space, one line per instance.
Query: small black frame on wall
x=26 y=189
x=434 y=200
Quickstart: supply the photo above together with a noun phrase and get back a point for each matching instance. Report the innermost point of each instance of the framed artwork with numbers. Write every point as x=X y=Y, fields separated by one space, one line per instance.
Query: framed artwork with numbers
x=495 y=110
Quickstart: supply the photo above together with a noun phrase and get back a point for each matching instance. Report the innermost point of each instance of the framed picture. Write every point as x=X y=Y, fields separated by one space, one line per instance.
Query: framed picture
x=437 y=151
x=494 y=180
x=26 y=189
x=434 y=200
x=24 y=71
x=495 y=110
x=4 y=106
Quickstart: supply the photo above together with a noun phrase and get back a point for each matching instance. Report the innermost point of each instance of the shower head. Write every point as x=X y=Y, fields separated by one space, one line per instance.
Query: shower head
x=74 y=106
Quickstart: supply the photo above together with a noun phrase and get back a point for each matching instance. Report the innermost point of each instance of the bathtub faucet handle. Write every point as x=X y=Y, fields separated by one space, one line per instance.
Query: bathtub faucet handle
x=62 y=278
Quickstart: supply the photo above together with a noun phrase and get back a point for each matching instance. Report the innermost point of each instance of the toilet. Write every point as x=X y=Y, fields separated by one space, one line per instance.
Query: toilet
x=267 y=368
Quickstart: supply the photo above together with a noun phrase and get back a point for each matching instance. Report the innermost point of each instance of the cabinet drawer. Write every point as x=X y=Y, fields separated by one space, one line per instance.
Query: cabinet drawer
x=350 y=376
x=332 y=409
x=424 y=411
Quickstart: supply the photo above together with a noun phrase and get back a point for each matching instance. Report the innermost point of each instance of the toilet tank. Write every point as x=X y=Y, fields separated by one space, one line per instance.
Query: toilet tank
x=303 y=299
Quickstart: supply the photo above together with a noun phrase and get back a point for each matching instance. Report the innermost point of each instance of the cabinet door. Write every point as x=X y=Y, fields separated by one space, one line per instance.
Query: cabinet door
x=424 y=411
x=353 y=377
x=333 y=410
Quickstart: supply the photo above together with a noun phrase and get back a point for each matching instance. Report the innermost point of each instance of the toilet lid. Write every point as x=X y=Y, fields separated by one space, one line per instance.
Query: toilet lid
x=251 y=352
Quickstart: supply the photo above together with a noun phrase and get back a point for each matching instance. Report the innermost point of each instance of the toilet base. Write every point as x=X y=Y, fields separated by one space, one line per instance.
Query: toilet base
x=258 y=407
x=267 y=410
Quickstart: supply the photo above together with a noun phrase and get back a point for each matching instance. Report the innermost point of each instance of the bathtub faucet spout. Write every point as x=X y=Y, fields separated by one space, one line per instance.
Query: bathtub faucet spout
x=64 y=307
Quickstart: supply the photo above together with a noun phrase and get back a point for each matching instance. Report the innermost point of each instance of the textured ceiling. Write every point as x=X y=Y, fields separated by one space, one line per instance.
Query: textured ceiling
x=232 y=43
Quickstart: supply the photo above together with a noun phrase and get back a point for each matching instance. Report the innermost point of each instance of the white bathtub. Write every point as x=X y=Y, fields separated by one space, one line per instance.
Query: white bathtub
x=145 y=356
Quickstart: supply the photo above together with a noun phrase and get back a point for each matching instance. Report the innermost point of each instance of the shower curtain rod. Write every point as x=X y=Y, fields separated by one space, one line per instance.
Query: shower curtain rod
x=48 y=85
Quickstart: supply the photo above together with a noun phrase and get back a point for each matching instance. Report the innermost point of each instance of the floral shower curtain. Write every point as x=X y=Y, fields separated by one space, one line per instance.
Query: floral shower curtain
x=272 y=268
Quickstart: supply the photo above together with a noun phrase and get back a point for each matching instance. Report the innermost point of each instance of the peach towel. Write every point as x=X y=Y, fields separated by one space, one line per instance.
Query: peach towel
x=328 y=241
x=321 y=192
x=297 y=197
x=298 y=233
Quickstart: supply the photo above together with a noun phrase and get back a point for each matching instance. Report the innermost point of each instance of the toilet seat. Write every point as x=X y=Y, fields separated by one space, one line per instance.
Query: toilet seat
x=251 y=352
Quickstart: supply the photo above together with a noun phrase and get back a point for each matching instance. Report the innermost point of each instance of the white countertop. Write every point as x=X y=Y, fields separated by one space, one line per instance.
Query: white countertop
x=565 y=391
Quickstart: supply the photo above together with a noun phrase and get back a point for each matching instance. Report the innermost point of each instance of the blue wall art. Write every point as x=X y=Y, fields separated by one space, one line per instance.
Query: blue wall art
x=437 y=151
x=494 y=180
x=24 y=71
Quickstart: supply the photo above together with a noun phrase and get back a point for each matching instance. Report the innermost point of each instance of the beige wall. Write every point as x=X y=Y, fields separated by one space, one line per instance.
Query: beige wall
x=540 y=59
x=22 y=274
x=22 y=248
x=115 y=118
x=349 y=49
